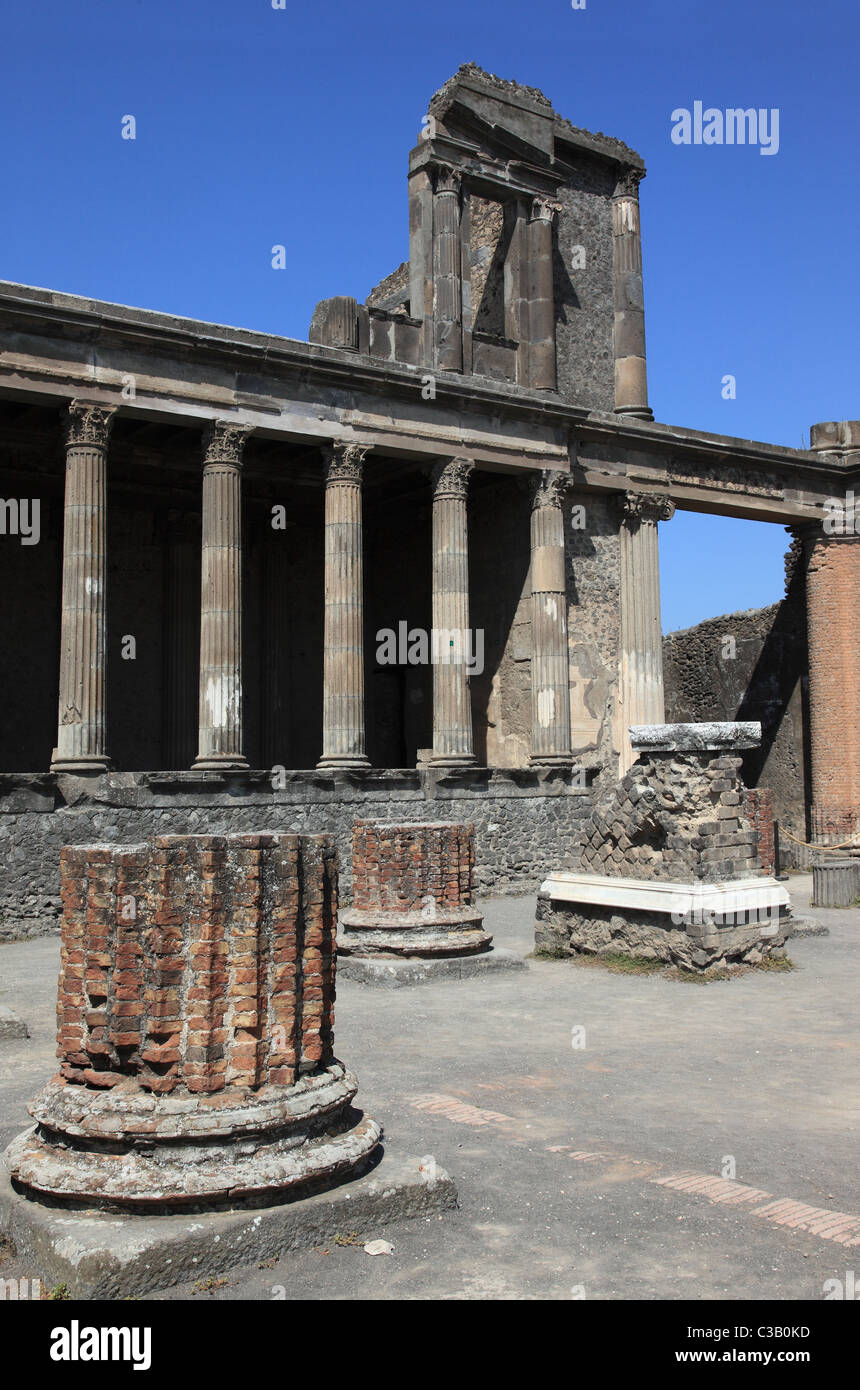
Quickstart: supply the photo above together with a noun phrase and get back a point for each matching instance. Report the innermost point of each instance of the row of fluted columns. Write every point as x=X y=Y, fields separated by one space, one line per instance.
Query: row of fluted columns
x=81 y=738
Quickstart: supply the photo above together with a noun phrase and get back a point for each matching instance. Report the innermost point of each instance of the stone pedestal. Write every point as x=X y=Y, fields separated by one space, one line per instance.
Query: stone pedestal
x=452 y=706
x=220 y=711
x=195 y=1030
x=81 y=736
x=669 y=868
x=344 y=739
x=550 y=667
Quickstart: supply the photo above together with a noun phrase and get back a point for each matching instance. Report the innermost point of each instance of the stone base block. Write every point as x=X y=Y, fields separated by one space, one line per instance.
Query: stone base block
x=395 y=972
x=104 y=1257
x=698 y=927
x=11 y=1026
x=125 y=1149
x=449 y=932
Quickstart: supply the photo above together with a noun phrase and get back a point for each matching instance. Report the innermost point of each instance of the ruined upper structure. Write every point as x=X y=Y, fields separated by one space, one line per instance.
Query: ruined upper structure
x=525 y=259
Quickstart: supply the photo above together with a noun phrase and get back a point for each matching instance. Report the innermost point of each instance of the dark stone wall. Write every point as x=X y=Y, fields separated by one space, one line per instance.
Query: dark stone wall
x=526 y=824
x=751 y=665
x=584 y=298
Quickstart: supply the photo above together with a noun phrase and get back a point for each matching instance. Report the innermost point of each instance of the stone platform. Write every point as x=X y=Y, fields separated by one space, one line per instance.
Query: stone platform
x=391 y=973
x=99 y=1256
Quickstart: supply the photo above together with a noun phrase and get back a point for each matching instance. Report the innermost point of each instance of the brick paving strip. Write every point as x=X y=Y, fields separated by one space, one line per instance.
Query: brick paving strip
x=838 y=1226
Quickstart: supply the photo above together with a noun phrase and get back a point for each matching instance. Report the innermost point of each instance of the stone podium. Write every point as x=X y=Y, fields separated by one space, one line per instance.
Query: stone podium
x=669 y=866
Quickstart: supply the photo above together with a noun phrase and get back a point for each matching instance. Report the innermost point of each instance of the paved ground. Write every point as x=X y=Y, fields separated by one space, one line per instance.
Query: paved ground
x=598 y=1171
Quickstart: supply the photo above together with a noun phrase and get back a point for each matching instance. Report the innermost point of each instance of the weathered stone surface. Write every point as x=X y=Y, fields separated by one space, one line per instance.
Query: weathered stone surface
x=11 y=1025
x=693 y=738
x=99 y=1257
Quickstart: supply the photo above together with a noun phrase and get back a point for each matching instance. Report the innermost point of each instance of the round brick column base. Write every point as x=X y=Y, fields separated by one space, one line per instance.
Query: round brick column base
x=124 y=1148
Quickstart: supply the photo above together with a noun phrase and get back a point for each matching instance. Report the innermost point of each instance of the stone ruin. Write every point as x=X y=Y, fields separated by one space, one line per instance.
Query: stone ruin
x=670 y=868
x=413 y=912
x=195 y=1029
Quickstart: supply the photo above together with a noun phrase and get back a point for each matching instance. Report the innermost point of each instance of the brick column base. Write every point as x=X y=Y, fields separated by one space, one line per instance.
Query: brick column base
x=195 y=1028
x=412 y=893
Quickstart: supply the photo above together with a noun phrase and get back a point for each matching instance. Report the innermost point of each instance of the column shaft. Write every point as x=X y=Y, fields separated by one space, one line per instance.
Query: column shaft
x=631 y=383
x=344 y=741
x=81 y=737
x=550 y=743
x=181 y=641
x=541 y=297
x=220 y=707
x=447 y=271
x=452 y=708
x=641 y=693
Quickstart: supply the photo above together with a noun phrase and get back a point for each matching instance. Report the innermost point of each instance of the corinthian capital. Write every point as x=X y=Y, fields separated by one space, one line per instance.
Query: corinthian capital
x=628 y=181
x=224 y=442
x=647 y=506
x=345 y=462
x=550 y=487
x=544 y=209
x=451 y=478
x=87 y=423
x=446 y=179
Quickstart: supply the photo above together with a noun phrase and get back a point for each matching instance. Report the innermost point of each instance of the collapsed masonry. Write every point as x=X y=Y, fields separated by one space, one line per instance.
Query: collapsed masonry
x=670 y=868
x=195 y=1029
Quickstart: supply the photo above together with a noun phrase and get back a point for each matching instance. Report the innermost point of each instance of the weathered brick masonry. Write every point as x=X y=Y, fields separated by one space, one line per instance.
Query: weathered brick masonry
x=759 y=810
x=833 y=602
x=412 y=892
x=195 y=1028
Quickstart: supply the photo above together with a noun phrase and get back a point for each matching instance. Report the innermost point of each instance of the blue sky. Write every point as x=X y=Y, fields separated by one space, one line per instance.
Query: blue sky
x=258 y=126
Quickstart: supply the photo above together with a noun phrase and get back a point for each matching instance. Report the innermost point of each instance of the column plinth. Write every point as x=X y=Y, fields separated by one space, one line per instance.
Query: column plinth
x=550 y=670
x=641 y=685
x=220 y=702
x=81 y=724
x=452 y=708
x=344 y=739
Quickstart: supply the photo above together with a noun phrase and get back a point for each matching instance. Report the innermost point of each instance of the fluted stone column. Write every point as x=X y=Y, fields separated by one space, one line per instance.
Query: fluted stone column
x=220 y=708
x=452 y=706
x=447 y=270
x=541 y=296
x=631 y=382
x=181 y=640
x=81 y=737
x=641 y=695
x=550 y=744
x=344 y=741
